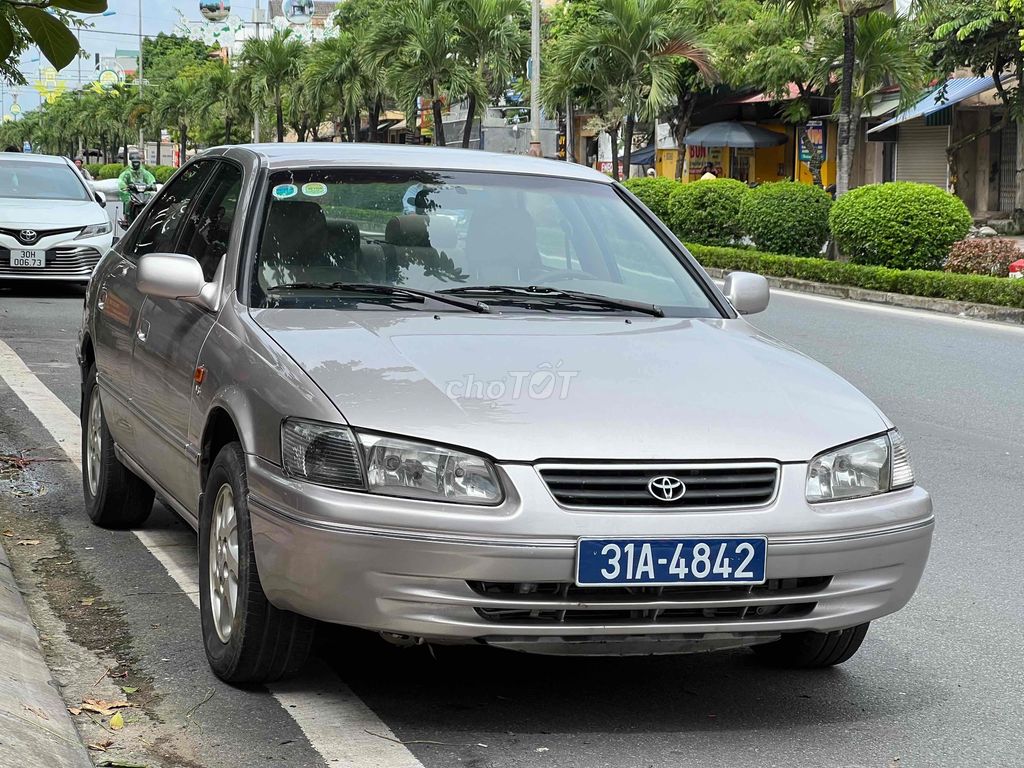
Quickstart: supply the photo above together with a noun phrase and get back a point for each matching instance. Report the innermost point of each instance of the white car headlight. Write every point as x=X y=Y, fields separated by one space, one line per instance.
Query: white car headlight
x=865 y=468
x=419 y=470
x=334 y=455
x=94 y=230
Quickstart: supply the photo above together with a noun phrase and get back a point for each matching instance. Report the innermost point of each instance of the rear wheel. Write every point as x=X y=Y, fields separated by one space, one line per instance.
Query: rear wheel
x=247 y=639
x=114 y=496
x=813 y=650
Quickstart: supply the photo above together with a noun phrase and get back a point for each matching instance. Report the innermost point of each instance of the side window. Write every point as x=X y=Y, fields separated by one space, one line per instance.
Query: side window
x=207 y=229
x=159 y=232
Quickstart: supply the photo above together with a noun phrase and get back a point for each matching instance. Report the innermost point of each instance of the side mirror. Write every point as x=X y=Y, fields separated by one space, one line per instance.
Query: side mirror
x=175 y=276
x=748 y=293
x=101 y=199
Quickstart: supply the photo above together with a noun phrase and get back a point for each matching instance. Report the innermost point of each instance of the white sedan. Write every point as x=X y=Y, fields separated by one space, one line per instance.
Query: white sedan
x=52 y=224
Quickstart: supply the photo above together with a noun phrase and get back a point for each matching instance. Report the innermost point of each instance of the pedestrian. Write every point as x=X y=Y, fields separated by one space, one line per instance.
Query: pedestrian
x=651 y=173
x=80 y=165
x=709 y=172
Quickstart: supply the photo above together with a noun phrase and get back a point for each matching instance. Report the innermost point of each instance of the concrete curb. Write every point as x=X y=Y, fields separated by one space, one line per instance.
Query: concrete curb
x=1012 y=315
x=36 y=730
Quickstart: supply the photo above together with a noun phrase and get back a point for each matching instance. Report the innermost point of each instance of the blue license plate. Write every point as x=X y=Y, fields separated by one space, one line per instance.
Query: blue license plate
x=664 y=562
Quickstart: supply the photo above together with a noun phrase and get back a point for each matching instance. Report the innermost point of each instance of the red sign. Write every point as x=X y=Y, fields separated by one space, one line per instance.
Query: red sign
x=1017 y=268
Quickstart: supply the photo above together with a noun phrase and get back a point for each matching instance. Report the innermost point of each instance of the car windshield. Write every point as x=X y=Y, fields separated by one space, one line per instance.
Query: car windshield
x=518 y=243
x=30 y=180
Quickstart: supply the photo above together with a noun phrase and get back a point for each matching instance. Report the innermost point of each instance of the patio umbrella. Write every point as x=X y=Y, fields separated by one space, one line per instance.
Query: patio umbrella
x=733 y=134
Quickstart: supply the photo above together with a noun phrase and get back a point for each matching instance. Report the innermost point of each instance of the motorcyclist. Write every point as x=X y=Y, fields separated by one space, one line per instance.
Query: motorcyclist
x=133 y=179
x=135 y=173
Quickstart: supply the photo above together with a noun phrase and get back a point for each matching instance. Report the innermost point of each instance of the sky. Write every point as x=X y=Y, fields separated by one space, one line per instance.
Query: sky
x=108 y=33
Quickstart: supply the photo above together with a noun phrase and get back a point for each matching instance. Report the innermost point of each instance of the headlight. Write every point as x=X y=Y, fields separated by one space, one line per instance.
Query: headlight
x=423 y=471
x=95 y=229
x=321 y=453
x=866 y=468
x=333 y=455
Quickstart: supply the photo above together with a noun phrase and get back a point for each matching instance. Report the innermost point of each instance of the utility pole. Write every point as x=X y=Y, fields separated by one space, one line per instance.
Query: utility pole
x=535 y=148
x=142 y=136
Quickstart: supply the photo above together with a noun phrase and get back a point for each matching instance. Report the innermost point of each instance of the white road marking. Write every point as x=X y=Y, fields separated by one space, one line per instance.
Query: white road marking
x=973 y=323
x=338 y=725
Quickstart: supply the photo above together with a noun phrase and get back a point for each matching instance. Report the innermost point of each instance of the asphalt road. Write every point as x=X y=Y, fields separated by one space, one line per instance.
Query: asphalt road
x=939 y=684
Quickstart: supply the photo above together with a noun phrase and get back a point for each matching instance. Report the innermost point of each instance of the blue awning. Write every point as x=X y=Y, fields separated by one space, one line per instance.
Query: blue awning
x=643 y=156
x=953 y=91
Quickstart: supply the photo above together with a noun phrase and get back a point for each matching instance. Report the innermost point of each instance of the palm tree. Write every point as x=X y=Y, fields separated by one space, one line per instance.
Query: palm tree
x=494 y=42
x=334 y=74
x=218 y=90
x=633 y=51
x=270 y=66
x=425 y=58
x=176 y=105
x=849 y=11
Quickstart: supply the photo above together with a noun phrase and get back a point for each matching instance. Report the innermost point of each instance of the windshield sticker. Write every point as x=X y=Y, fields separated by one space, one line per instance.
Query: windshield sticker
x=314 y=189
x=284 y=191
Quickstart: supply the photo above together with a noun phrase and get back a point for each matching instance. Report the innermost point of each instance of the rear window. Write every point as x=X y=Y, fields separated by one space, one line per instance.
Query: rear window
x=40 y=181
x=437 y=231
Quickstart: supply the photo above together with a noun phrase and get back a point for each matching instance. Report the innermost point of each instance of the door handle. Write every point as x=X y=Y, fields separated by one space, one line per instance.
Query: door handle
x=123 y=270
x=101 y=298
x=143 y=331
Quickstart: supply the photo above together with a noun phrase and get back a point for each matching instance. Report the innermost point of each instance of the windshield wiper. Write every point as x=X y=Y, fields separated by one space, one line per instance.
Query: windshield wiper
x=386 y=290
x=511 y=291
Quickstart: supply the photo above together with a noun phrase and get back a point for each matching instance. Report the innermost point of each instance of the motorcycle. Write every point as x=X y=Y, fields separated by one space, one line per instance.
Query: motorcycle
x=138 y=196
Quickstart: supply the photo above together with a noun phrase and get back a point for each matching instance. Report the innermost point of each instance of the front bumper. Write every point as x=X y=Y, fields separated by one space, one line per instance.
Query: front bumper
x=517 y=590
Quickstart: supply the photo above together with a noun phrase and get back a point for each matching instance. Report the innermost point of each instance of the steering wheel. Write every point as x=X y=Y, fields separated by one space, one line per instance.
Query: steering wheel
x=562 y=274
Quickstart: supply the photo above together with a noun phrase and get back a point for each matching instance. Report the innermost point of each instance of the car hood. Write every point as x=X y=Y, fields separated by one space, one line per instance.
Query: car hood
x=49 y=214
x=528 y=387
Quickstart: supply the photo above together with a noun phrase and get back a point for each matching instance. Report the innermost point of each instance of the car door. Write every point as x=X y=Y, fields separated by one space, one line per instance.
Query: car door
x=119 y=304
x=171 y=335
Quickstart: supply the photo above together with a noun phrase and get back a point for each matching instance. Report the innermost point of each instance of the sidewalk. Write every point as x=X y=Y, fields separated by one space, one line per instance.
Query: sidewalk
x=35 y=728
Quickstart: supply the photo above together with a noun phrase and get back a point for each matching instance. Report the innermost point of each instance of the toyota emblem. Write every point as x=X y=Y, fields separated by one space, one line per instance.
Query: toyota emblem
x=666 y=488
x=28 y=236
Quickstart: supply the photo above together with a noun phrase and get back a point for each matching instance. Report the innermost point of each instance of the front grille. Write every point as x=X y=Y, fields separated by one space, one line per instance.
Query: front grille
x=569 y=604
x=40 y=233
x=707 y=485
x=63 y=261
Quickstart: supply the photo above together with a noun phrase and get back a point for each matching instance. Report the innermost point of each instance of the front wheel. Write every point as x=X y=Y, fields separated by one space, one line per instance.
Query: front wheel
x=813 y=650
x=247 y=639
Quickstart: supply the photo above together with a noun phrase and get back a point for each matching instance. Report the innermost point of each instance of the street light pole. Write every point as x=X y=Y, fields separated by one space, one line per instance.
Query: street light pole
x=535 y=148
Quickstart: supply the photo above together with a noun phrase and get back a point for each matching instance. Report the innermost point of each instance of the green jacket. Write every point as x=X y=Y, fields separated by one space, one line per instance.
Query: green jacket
x=128 y=176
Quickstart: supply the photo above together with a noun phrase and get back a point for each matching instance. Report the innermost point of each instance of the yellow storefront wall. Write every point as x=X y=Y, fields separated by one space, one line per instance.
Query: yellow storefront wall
x=767 y=163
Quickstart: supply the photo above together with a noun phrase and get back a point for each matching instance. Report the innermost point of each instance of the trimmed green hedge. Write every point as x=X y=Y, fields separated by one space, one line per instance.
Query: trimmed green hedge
x=899 y=224
x=1000 y=291
x=109 y=171
x=707 y=211
x=787 y=217
x=654 y=192
x=162 y=173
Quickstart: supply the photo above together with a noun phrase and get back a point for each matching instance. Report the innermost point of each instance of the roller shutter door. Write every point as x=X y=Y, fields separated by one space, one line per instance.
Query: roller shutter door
x=921 y=153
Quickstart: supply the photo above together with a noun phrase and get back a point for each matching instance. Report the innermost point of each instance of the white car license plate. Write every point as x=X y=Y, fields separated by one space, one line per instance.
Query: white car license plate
x=35 y=259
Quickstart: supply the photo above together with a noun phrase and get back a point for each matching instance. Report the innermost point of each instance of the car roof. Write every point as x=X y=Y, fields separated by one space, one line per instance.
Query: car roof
x=293 y=155
x=24 y=156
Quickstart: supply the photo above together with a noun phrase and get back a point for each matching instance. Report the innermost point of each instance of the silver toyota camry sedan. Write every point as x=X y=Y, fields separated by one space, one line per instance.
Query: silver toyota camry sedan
x=458 y=397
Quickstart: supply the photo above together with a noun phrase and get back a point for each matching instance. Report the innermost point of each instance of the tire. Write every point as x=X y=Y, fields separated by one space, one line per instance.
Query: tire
x=813 y=650
x=256 y=642
x=114 y=496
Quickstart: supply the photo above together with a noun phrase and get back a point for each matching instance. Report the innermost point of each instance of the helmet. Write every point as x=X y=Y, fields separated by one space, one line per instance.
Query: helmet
x=135 y=159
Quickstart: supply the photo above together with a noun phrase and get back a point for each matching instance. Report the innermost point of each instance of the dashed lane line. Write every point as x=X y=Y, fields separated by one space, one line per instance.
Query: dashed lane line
x=337 y=723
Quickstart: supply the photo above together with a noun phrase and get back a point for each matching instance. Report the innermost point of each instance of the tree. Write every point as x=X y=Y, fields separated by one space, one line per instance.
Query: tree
x=493 y=42
x=426 y=61
x=44 y=23
x=334 y=74
x=218 y=92
x=806 y=12
x=632 y=49
x=270 y=66
x=987 y=39
x=176 y=105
